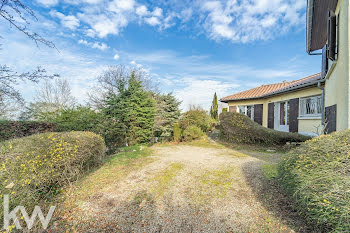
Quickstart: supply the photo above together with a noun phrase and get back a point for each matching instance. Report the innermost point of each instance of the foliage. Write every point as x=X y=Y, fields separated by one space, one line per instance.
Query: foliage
x=177 y=133
x=35 y=168
x=224 y=110
x=129 y=114
x=167 y=114
x=214 y=108
x=78 y=119
x=192 y=133
x=316 y=174
x=197 y=117
x=17 y=129
x=141 y=112
x=113 y=80
x=238 y=128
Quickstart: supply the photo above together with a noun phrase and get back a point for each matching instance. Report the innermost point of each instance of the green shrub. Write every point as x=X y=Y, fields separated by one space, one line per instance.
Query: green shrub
x=17 y=129
x=177 y=133
x=78 y=119
x=238 y=128
x=197 y=117
x=192 y=133
x=39 y=166
x=317 y=176
x=224 y=110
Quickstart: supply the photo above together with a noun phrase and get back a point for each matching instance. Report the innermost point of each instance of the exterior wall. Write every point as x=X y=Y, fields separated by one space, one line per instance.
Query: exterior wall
x=253 y=102
x=338 y=77
x=310 y=126
x=305 y=125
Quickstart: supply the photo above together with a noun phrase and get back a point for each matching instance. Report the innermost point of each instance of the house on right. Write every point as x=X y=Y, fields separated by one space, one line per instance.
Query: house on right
x=328 y=23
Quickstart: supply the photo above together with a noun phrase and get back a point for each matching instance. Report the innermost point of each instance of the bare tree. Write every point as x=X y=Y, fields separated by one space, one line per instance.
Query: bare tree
x=9 y=78
x=56 y=93
x=114 y=79
x=51 y=98
x=16 y=14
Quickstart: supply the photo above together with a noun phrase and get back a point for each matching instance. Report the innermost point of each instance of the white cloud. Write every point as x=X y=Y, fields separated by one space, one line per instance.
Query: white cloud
x=158 y=12
x=116 y=56
x=142 y=11
x=95 y=45
x=103 y=25
x=121 y=5
x=76 y=2
x=153 y=21
x=251 y=20
x=48 y=3
x=133 y=63
x=68 y=21
x=201 y=92
x=100 y=46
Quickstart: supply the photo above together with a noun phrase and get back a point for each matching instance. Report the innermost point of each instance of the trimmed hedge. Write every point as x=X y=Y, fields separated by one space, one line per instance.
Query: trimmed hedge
x=317 y=176
x=238 y=128
x=33 y=169
x=17 y=129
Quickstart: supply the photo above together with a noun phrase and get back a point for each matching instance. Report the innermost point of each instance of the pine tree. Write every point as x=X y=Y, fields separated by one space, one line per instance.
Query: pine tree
x=140 y=112
x=214 y=108
x=129 y=114
x=168 y=113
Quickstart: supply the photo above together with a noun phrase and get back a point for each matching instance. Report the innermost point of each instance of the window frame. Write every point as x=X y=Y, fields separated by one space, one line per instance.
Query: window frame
x=246 y=111
x=317 y=115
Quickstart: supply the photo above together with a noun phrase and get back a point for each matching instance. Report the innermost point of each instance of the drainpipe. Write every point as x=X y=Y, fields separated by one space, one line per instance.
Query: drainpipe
x=322 y=103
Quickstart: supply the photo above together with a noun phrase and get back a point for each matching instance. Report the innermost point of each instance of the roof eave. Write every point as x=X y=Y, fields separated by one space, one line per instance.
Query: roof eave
x=309 y=15
x=277 y=92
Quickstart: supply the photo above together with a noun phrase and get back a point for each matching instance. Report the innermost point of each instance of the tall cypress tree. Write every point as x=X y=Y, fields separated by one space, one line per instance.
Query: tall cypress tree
x=214 y=108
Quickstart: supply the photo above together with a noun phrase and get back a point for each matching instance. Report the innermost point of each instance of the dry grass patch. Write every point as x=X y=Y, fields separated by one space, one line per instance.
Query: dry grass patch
x=165 y=178
x=232 y=153
x=93 y=186
x=214 y=184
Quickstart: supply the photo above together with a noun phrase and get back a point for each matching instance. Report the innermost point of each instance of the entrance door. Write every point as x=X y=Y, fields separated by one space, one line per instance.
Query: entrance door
x=282 y=116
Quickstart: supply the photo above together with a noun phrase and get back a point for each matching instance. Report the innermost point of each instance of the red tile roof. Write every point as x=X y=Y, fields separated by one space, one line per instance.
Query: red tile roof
x=271 y=89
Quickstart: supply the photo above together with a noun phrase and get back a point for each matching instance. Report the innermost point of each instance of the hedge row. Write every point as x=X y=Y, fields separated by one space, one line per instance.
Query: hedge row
x=317 y=176
x=33 y=169
x=17 y=129
x=238 y=128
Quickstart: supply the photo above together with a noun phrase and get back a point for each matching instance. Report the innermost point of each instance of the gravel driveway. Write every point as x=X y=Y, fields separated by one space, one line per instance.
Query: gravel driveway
x=184 y=189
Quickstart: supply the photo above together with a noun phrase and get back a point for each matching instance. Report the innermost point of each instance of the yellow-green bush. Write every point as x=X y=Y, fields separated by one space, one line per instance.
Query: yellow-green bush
x=35 y=168
x=192 y=133
x=238 y=128
x=317 y=176
x=177 y=132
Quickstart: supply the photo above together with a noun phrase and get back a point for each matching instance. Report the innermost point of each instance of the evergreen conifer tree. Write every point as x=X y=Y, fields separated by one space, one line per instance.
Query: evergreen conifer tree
x=214 y=108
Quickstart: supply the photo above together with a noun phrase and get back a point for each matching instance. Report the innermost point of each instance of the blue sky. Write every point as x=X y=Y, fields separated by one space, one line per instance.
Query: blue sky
x=190 y=48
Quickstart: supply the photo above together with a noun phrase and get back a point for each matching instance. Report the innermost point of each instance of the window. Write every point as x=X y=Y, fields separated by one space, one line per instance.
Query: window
x=284 y=113
x=311 y=106
x=247 y=110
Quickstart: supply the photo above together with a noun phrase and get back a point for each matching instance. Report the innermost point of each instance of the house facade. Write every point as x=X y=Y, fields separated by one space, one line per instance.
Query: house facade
x=316 y=104
x=328 y=35
x=294 y=106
